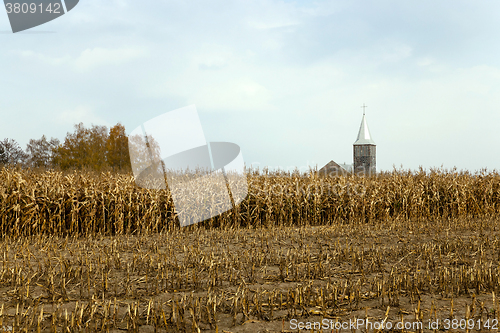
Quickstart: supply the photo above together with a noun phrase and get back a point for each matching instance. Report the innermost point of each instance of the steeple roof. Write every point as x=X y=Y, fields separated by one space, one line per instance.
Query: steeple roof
x=364 y=137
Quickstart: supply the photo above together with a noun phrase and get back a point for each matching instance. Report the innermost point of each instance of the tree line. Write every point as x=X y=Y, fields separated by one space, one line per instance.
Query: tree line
x=94 y=148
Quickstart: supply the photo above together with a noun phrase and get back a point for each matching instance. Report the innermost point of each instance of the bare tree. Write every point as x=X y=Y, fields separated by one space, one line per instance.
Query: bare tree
x=41 y=152
x=11 y=153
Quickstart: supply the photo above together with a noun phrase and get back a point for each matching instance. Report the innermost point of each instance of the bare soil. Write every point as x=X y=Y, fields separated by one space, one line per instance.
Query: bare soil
x=258 y=280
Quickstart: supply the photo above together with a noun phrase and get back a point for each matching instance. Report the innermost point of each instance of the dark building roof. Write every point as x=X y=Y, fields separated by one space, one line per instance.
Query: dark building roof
x=332 y=169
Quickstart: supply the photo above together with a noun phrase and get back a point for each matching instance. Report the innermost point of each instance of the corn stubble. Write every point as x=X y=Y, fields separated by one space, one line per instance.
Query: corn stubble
x=93 y=252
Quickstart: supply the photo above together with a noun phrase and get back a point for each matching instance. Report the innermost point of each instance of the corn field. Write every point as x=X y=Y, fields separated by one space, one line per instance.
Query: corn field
x=86 y=252
x=84 y=203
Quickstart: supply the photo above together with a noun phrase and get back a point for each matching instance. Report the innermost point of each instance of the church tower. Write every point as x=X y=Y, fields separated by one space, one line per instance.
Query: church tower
x=364 y=150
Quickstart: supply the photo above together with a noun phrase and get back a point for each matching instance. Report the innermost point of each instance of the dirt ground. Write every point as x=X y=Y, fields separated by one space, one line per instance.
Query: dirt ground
x=395 y=275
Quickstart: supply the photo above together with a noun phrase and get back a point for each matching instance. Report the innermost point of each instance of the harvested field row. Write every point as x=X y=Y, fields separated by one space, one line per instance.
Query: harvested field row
x=252 y=279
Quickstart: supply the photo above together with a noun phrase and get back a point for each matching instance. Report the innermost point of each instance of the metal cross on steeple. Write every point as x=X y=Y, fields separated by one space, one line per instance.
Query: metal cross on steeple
x=364 y=106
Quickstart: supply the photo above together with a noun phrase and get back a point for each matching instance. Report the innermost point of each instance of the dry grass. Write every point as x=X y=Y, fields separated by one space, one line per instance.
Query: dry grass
x=89 y=253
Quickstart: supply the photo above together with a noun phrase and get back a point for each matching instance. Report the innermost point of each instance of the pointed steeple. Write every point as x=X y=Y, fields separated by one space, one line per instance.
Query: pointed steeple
x=364 y=137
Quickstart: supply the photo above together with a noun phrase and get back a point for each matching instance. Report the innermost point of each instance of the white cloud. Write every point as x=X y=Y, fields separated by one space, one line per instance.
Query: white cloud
x=235 y=95
x=425 y=61
x=79 y=114
x=264 y=25
x=54 y=61
x=99 y=57
x=88 y=59
x=396 y=53
x=265 y=15
x=243 y=85
x=212 y=56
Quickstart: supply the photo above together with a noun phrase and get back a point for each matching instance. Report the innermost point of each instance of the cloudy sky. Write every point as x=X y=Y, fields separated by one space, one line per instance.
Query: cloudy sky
x=285 y=80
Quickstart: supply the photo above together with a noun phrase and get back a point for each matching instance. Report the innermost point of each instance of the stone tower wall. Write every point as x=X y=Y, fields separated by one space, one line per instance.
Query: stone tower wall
x=365 y=159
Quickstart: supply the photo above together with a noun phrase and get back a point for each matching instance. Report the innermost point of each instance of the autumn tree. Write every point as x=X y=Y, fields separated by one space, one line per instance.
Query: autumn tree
x=86 y=147
x=117 y=151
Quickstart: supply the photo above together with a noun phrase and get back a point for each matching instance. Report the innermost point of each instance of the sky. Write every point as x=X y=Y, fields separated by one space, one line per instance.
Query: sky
x=285 y=80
